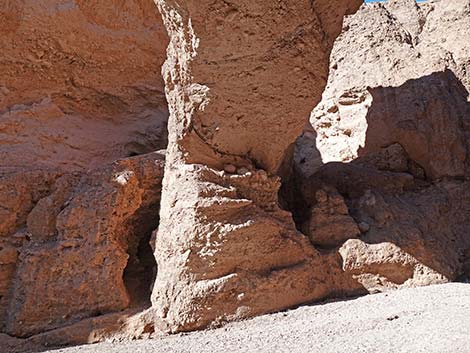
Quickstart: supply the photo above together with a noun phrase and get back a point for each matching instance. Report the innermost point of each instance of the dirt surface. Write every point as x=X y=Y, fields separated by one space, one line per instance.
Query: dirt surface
x=432 y=319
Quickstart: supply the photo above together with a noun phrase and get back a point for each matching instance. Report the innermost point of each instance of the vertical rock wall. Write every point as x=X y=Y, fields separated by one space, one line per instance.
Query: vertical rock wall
x=80 y=87
x=241 y=78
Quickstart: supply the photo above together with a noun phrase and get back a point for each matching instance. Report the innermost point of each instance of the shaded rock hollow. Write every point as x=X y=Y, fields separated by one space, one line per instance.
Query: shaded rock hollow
x=391 y=136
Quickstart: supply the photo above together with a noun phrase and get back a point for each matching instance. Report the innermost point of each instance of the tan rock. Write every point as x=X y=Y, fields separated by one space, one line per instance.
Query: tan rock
x=240 y=84
x=390 y=135
x=384 y=266
x=81 y=82
x=395 y=79
x=329 y=223
x=91 y=265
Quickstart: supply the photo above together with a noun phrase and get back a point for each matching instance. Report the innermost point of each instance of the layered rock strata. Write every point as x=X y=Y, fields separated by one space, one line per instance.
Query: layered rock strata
x=80 y=88
x=81 y=83
x=78 y=243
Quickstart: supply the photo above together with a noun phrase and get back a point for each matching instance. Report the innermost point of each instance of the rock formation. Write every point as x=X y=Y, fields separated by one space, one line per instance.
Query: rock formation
x=82 y=238
x=240 y=84
x=374 y=194
x=80 y=88
x=391 y=137
x=81 y=82
x=377 y=69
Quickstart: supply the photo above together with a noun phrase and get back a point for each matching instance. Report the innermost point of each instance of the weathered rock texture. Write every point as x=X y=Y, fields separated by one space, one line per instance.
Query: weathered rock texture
x=391 y=137
x=80 y=82
x=389 y=86
x=241 y=79
x=377 y=199
x=80 y=88
x=80 y=240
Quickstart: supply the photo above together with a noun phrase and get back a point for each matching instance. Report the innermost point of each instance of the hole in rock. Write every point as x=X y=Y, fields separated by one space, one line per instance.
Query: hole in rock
x=292 y=200
x=290 y=194
x=141 y=269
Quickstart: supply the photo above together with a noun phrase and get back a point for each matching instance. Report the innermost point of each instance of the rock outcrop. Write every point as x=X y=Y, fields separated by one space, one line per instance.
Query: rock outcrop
x=81 y=82
x=391 y=137
x=80 y=88
x=240 y=85
x=103 y=238
x=81 y=239
x=388 y=85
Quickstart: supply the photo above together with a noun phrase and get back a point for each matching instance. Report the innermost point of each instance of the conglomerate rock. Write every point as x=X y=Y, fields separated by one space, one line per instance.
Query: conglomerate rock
x=18 y=196
x=380 y=183
x=80 y=88
x=241 y=78
x=389 y=86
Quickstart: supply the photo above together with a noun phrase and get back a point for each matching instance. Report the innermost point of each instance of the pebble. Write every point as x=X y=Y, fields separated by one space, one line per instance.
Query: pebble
x=263 y=175
x=242 y=171
x=230 y=168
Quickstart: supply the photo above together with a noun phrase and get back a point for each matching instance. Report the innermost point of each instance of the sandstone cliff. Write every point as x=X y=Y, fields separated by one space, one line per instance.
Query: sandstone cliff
x=80 y=83
x=80 y=88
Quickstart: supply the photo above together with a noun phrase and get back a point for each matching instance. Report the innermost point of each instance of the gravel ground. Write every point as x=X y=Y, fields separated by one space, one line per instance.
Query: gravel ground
x=433 y=319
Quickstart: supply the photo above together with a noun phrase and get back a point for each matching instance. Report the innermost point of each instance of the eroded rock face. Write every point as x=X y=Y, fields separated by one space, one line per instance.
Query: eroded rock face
x=391 y=136
x=240 y=84
x=80 y=239
x=80 y=88
x=18 y=195
x=408 y=87
x=81 y=82
x=329 y=223
x=379 y=200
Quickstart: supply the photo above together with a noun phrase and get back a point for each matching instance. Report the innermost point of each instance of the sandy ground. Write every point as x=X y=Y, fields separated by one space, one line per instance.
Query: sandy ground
x=434 y=319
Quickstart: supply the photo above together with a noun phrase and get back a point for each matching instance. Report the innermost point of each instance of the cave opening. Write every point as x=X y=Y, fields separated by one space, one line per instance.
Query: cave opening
x=141 y=270
x=290 y=194
x=292 y=200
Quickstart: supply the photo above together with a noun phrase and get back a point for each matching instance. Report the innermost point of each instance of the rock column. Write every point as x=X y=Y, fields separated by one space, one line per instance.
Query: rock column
x=241 y=79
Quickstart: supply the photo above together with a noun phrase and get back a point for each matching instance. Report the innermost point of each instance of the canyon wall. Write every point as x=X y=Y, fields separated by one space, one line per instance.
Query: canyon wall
x=80 y=92
x=101 y=237
x=81 y=82
x=82 y=109
x=390 y=137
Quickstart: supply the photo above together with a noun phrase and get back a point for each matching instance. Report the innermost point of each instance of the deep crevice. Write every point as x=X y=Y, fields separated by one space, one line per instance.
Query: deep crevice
x=141 y=269
x=291 y=198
